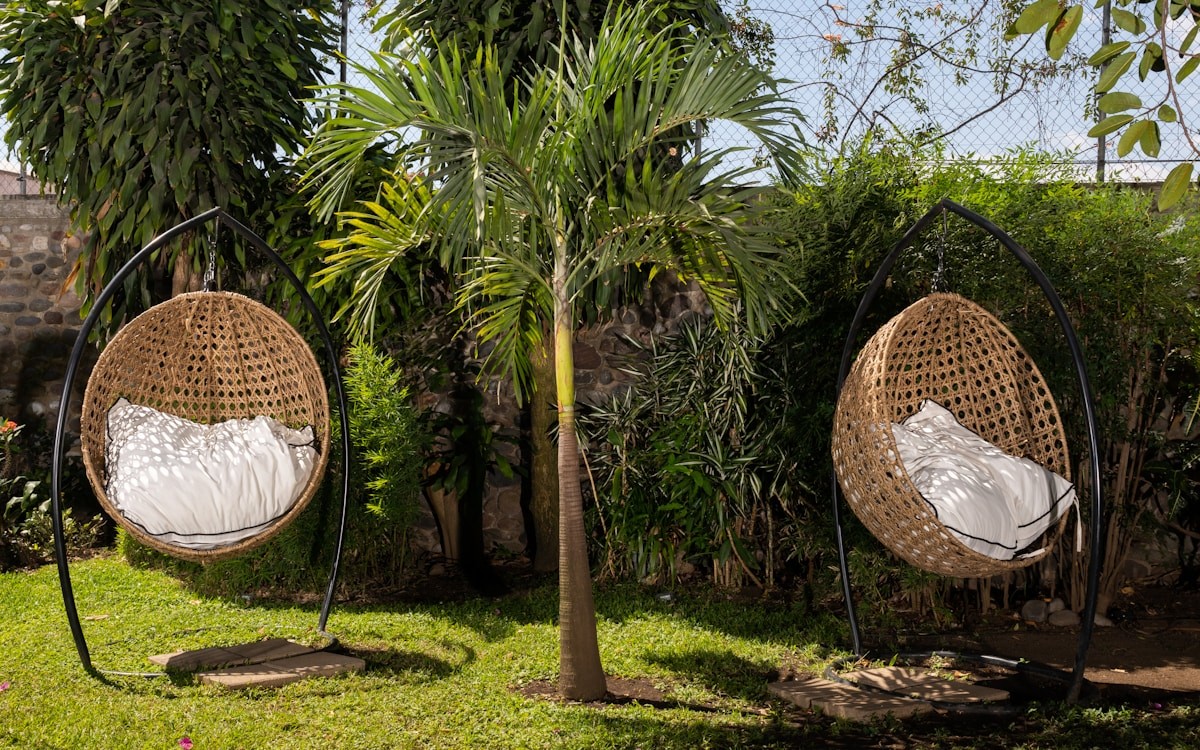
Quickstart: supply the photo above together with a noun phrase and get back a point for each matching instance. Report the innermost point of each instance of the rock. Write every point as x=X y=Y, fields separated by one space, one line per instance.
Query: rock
x=1034 y=610
x=1064 y=618
x=1055 y=605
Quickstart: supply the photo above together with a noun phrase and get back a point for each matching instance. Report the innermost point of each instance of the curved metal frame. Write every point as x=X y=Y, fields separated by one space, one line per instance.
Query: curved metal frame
x=60 y=544
x=1097 y=536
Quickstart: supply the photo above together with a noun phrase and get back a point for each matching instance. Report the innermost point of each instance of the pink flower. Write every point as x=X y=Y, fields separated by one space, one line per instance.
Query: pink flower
x=5 y=686
x=185 y=742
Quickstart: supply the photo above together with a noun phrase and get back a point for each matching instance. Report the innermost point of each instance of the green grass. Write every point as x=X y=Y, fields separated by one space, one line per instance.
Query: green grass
x=442 y=676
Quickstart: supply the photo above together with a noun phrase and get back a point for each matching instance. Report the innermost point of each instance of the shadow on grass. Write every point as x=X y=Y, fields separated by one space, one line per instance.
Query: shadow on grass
x=722 y=672
x=416 y=666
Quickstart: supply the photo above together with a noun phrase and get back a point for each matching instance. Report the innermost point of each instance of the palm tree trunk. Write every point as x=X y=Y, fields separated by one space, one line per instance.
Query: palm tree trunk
x=543 y=471
x=581 y=676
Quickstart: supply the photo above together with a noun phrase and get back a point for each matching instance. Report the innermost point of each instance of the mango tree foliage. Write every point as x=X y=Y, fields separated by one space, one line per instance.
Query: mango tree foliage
x=1154 y=40
x=142 y=113
x=522 y=33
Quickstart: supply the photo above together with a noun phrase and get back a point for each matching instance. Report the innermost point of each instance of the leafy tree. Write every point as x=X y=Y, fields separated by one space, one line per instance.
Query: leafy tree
x=534 y=198
x=522 y=33
x=1160 y=44
x=142 y=114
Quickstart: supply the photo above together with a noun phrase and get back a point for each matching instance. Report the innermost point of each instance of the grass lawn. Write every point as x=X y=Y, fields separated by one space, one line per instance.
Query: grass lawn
x=443 y=676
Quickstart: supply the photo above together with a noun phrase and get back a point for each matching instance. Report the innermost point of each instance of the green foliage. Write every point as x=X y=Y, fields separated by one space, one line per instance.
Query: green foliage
x=688 y=460
x=143 y=114
x=523 y=34
x=1161 y=38
x=26 y=531
x=384 y=431
x=1125 y=272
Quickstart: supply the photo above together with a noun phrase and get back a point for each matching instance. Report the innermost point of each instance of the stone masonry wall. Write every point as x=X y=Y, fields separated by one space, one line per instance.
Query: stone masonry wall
x=39 y=314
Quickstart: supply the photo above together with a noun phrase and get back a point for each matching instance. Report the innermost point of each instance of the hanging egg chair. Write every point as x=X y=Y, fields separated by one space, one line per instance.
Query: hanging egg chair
x=205 y=424
x=948 y=350
x=945 y=373
x=207 y=357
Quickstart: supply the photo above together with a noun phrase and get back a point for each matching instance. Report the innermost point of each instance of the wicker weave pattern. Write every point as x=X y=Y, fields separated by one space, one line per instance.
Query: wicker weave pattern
x=207 y=357
x=948 y=349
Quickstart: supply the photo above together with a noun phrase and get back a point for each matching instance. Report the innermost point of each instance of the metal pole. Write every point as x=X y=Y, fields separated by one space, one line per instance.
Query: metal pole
x=345 y=39
x=1105 y=39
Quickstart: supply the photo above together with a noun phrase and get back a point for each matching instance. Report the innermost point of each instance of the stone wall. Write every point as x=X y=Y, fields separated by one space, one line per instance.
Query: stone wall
x=39 y=314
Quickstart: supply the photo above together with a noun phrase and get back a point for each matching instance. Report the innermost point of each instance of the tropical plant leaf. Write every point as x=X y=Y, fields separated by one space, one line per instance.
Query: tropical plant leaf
x=1118 y=101
x=1116 y=68
x=1128 y=21
x=1059 y=35
x=1130 y=137
x=1108 y=52
x=1035 y=16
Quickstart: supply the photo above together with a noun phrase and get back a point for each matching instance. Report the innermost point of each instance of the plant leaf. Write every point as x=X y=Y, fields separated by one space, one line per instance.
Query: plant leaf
x=1107 y=52
x=1059 y=35
x=1130 y=22
x=1114 y=71
x=1118 y=101
x=1186 y=69
x=1109 y=125
x=1174 y=187
x=1150 y=141
x=1167 y=114
x=1036 y=16
x=1130 y=137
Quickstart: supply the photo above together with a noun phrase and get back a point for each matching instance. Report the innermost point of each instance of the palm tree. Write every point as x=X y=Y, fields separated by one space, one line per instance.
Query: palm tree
x=533 y=199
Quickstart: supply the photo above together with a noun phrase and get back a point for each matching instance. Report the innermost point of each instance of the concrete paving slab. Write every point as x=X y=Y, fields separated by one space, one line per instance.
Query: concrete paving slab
x=284 y=671
x=845 y=701
x=923 y=685
x=217 y=657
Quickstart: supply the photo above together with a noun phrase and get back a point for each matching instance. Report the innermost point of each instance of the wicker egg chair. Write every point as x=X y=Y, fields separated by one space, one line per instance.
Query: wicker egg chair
x=947 y=349
x=207 y=357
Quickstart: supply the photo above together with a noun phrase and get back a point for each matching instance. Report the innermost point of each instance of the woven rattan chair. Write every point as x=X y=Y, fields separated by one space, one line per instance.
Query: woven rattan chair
x=207 y=357
x=947 y=349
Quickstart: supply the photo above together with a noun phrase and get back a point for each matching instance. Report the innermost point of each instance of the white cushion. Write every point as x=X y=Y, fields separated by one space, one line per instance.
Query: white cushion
x=203 y=486
x=995 y=503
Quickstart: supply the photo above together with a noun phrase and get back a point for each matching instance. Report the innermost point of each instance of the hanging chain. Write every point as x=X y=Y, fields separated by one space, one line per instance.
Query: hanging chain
x=210 y=272
x=939 y=273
